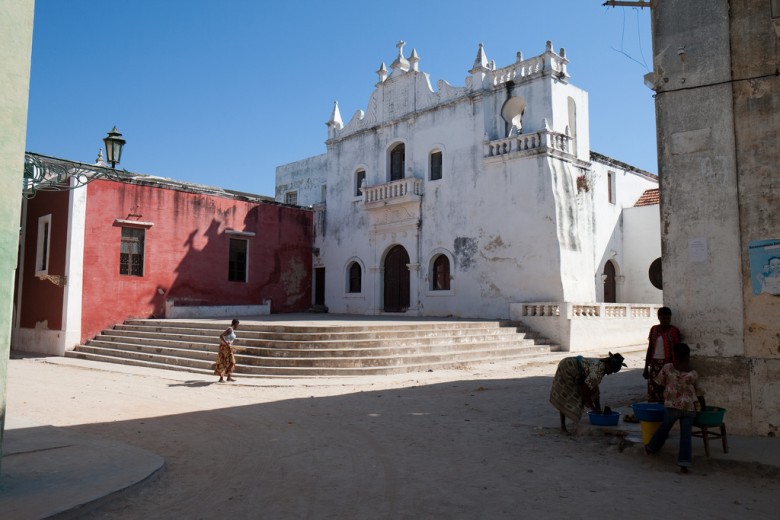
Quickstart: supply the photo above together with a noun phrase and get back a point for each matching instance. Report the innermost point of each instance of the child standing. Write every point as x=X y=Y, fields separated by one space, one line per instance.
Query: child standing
x=681 y=395
x=660 y=351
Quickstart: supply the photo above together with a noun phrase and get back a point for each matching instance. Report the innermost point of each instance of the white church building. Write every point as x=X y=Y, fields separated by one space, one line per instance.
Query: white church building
x=480 y=201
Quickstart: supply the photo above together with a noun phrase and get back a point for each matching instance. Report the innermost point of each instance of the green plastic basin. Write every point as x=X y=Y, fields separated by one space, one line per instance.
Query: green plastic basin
x=710 y=416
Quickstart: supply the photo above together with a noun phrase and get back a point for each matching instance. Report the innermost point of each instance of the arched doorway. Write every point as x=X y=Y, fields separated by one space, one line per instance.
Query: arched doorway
x=396 y=280
x=610 y=292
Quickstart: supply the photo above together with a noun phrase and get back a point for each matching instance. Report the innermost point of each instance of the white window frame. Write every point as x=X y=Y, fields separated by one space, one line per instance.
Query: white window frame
x=43 y=246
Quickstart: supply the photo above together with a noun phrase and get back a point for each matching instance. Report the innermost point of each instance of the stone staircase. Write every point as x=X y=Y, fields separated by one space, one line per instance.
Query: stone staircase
x=290 y=350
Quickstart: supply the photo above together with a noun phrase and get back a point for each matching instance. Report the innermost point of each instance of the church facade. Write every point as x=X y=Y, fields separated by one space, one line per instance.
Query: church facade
x=461 y=201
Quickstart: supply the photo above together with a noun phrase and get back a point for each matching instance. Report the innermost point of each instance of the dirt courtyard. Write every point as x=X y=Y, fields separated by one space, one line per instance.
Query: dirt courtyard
x=476 y=443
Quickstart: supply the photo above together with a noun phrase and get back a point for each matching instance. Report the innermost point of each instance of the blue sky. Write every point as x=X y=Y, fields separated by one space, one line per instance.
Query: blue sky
x=222 y=92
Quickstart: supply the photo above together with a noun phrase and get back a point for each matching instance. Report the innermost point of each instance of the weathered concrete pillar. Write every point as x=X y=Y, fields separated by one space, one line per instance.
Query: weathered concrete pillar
x=16 y=21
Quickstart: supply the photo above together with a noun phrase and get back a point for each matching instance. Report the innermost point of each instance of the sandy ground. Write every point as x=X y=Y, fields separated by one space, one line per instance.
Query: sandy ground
x=481 y=442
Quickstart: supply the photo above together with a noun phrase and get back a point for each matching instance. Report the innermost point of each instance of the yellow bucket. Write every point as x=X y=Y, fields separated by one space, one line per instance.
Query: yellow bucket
x=648 y=429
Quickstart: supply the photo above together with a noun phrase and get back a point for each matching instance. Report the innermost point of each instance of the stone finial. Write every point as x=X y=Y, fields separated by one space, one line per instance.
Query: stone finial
x=549 y=46
x=99 y=161
x=546 y=124
x=492 y=65
x=481 y=61
x=519 y=56
x=382 y=72
x=400 y=64
x=414 y=60
x=335 y=117
x=562 y=54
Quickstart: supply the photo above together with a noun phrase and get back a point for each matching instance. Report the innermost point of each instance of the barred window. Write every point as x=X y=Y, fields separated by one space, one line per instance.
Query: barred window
x=131 y=252
x=291 y=197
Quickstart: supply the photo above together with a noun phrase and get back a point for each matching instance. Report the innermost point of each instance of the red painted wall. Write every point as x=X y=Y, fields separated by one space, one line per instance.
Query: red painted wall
x=186 y=253
x=42 y=300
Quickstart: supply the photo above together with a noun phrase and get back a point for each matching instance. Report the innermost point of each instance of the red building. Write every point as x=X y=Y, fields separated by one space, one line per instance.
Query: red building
x=141 y=246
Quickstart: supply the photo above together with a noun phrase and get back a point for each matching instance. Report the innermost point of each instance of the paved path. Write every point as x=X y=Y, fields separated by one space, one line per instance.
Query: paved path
x=476 y=443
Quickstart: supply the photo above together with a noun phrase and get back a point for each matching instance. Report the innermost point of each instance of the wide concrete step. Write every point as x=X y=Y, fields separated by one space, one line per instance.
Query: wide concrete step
x=318 y=329
x=278 y=357
x=324 y=334
x=189 y=341
x=189 y=365
x=288 y=350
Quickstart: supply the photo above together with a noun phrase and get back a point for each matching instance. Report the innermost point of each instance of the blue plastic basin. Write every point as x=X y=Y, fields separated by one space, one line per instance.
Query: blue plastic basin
x=599 y=419
x=650 y=412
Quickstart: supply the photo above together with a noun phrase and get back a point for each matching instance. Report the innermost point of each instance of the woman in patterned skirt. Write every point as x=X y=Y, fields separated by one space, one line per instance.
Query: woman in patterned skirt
x=576 y=385
x=226 y=360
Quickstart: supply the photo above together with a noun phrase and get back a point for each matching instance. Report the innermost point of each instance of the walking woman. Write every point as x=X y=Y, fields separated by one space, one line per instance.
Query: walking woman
x=226 y=361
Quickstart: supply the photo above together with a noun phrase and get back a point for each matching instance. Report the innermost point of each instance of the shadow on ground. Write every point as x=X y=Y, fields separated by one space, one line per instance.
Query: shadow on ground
x=460 y=449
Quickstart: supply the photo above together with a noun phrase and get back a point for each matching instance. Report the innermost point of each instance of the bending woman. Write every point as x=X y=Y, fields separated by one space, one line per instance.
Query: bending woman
x=226 y=360
x=576 y=385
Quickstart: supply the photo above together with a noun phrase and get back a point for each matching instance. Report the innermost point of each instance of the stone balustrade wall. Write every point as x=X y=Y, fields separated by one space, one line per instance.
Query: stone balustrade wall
x=588 y=326
x=393 y=189
x=521 y=143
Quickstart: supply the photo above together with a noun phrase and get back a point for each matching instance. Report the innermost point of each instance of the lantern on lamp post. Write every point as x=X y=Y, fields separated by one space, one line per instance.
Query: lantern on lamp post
x=114 y=144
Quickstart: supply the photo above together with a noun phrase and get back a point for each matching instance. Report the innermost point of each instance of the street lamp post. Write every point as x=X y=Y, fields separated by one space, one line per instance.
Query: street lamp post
x=114 y=144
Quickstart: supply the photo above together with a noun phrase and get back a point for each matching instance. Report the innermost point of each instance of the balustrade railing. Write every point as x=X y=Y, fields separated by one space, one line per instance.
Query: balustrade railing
x=518 y=70
x=591 y=310
x=520 y=143
x=547 y=62
x=392 y=190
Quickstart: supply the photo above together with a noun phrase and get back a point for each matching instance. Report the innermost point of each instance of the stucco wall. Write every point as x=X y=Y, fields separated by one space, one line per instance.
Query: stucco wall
x=16 y=23
x=185 y=256
x=515 y=226
x=642 y=245
x=42 y=305
x=306 y=177
x=717 y=102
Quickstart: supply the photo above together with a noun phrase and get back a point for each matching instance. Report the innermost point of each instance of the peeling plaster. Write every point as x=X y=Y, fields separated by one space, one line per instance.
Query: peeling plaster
x=466 y=249
x=292 y=278
x=495 y=243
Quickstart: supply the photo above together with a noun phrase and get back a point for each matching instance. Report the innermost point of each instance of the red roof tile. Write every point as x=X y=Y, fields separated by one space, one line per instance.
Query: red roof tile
x=648 y=198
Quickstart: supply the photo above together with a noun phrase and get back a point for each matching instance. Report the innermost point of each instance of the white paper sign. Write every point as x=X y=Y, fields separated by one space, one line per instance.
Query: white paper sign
x=697 y=250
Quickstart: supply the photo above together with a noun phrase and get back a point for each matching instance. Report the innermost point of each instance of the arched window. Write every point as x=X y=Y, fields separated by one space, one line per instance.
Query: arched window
x=436 y=166
x=440 y=278
x=360 y=176
x=355 y=277
x=397 y=158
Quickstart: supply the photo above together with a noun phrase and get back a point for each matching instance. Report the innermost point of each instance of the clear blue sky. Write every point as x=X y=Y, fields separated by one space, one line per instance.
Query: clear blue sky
x=221 y=92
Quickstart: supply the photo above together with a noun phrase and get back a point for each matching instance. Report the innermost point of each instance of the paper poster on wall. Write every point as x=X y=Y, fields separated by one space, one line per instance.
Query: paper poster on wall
x=698 y=250
x=764 y=258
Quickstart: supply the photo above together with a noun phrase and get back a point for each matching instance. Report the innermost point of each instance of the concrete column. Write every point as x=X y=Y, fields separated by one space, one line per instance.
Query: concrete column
x=16 y=24
x=414 y=287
